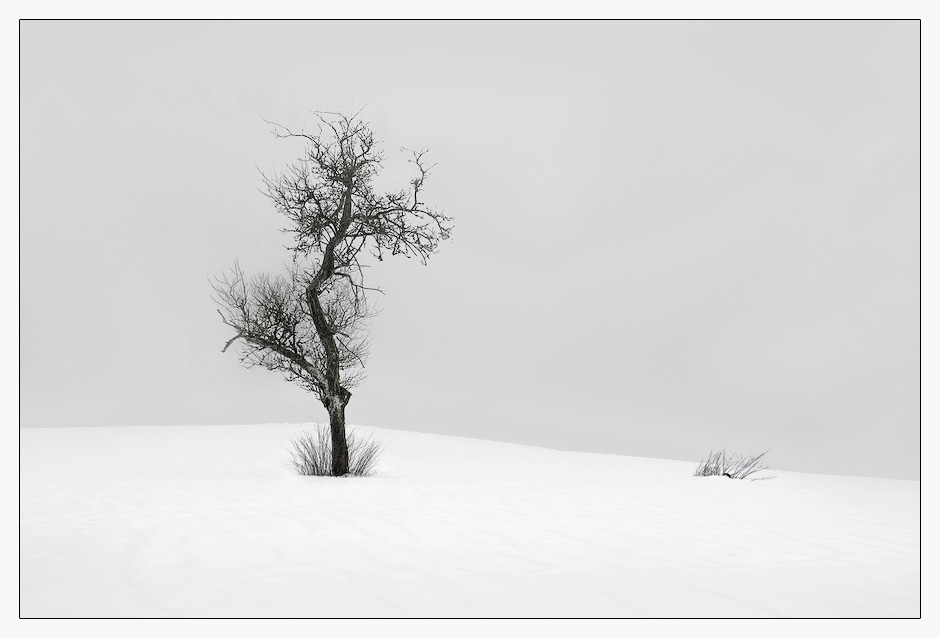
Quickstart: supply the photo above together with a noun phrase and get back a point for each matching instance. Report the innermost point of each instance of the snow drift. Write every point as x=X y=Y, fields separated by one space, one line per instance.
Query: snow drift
x=210 y=521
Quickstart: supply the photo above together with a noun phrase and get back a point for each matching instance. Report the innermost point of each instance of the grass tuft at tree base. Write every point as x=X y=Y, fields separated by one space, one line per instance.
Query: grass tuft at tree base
x=312 y=453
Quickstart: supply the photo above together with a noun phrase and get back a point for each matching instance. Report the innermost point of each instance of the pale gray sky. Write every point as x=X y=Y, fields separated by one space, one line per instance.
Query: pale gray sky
x=670 y=236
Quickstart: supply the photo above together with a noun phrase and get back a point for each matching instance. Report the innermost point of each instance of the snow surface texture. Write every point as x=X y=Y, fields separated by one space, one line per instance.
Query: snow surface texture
x=209 y=521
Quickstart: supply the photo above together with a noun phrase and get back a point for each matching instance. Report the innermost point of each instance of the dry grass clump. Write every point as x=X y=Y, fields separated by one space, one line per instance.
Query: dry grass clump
x=736 y=466
x=312 y=453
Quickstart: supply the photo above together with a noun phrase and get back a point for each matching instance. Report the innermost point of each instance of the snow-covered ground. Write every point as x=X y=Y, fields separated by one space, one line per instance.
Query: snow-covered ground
x=209 y=521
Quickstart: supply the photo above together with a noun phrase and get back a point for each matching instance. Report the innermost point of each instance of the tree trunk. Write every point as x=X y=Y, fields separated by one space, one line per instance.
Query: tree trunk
x=338 y=435
x=335 y=396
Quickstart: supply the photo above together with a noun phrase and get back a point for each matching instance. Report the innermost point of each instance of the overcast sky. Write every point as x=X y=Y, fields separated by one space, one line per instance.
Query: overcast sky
x=670 y=237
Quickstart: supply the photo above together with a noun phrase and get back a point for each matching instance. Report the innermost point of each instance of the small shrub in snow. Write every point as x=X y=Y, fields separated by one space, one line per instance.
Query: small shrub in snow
x=736 y=466
x=312 y=453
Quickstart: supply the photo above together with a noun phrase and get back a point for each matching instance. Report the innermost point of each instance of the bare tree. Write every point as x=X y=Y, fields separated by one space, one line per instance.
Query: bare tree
x=308 y=324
